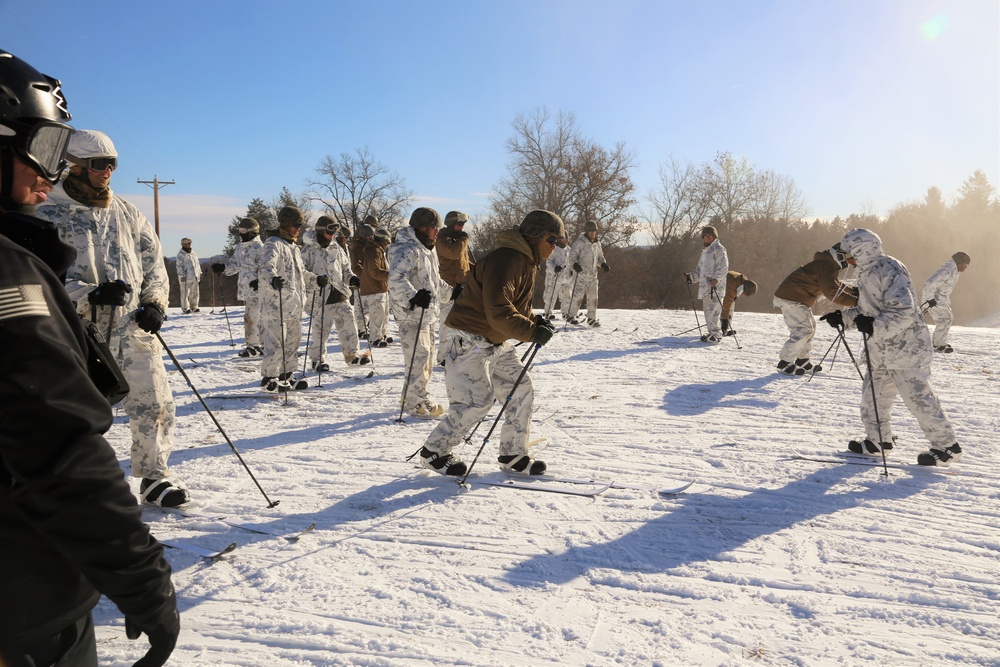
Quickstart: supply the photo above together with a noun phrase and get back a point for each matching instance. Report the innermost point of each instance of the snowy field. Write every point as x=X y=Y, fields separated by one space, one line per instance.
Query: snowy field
x=765 y=560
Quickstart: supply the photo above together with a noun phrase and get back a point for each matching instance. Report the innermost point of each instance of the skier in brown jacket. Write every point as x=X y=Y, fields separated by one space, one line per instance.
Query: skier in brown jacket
x=737 y=285
x=796 y=296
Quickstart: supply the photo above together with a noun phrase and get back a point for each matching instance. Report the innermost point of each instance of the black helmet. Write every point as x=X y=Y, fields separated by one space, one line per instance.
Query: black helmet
x=32 y=117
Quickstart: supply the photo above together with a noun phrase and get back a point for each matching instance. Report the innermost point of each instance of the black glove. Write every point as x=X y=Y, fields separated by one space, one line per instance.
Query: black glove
x=354 y=281
x=455 y=292
x=422 y=298
x=254 y=284
x=931 y=303
x=149 y=317
x=162 y=629
x=111 y=294
x=543 y=331
x=322 y=281
x=277 y=282
x=606 y=267
x=577 y=267
x=558 y=269
x=834 y=319
x=687 y=277
x=218 y=267
x=865 y=324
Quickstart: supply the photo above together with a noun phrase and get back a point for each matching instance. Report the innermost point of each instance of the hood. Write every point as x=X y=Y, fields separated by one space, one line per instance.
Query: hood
x=512 y=238
x=863 y=245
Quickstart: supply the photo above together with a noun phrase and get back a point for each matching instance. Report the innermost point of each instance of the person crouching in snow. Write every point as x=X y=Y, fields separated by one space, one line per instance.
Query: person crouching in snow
x=331 y=305
x=283 y=279
x=737 y=285
x=898 y=345
x=482 y=364
x=796 y=296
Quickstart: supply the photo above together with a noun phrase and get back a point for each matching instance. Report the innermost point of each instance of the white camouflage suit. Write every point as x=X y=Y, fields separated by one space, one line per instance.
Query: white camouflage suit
x=900 y=347
x=558 y=285
x=245 y=261
x=333 y=263
x=589 y=255
x=939 y=287
x=412 y=267
x=281 y=258
x=189 y=276
x=713 y=264
x=118 y=243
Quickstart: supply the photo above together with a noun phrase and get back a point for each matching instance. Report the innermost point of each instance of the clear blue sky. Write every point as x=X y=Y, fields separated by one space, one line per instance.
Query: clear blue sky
x=864 y=103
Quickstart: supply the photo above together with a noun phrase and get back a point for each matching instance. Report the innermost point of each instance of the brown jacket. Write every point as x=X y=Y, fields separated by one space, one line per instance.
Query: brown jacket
x=496 y=301
x=734 y=279
x=373 y=267
x=357 y=248
x=806 y=283
x=453 y=258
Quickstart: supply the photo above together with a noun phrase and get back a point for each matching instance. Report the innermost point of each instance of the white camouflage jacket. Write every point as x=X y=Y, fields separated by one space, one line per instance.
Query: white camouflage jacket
x=188 y=266
x=940 y=285
x=114 y=243
x=900 y=339
x=332 y=262
x=412 y=267
x=246 y=262
x=281 y=258
x=557 y=258
x=588 y=255
x=713 y=263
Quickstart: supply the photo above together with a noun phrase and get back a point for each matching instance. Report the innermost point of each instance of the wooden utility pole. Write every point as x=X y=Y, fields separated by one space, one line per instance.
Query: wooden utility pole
x=156 y=184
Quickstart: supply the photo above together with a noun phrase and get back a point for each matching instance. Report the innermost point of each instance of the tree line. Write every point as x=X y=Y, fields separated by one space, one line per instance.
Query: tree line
x=650 y=239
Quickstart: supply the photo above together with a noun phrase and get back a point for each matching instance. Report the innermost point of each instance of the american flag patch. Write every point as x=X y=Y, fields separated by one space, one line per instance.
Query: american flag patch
x=22 y=300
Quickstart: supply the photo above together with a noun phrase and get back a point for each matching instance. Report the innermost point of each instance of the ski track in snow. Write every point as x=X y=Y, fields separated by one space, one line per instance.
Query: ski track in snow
x=765 y=560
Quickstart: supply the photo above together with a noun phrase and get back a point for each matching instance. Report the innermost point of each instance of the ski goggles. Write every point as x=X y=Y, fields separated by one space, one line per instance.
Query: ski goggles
x=44 y=146
x=102 y=163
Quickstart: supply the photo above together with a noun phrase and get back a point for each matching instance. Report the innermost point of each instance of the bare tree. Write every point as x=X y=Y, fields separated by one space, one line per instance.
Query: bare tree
x=355 y=185
x=730 y=186
x=679 y=204
x=552 y=166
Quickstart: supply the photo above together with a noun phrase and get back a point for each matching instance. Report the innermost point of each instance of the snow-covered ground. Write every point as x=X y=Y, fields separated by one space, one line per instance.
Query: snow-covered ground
x=765 y=560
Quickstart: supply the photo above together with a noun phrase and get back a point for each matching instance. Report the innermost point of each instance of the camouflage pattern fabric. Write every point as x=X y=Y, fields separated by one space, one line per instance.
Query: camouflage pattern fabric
x=939 y=287
x=189 y=275
x=476 y=373
x=417 y=344
x=913 y=386
x=713 y=264
x=444 y=332
x=376 y=309
x=589 y=255
x=801 y=329
x=246 y=261
x=557 y=285
x=281 y=307
x=333 y=263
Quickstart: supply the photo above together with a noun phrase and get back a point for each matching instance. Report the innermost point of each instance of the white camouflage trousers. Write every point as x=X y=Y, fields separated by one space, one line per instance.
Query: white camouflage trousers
x=417 y=344
x=251 y=319
x=942 y=324
x=711 y=305
x=190 y=294
x=913 y=386
x=339 y=315
x=585 y=286
x=274 y=337
x=376 y=309
x=445 y=332
x=801 y=329
x=558 y=293
x=476 y=373
x=150 y=403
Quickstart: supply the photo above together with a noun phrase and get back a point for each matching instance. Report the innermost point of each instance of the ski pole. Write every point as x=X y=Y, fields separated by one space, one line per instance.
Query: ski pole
x=716 y=294
x=222 y=290
x=406 y=385
x=322 y=328
x=836 y=341
x=111 y=324
x=693 y=308
x=284 y=359
x=312 y=306
x=270 y=503
x=371 y=353
x=857 y=367
x=468 y=438
x=213 y=294
x=552 y=293
x=503 y=407
x=871 y=385
x=572 y=301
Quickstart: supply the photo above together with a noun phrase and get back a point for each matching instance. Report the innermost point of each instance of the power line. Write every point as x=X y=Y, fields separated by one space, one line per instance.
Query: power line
x=156 y=184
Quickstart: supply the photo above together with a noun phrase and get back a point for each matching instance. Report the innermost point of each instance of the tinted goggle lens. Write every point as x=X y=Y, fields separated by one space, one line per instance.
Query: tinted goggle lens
x=102 y=163
x=46 y=147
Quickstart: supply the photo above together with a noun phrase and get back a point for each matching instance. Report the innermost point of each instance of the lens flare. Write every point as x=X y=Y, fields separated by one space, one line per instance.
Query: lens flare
x=932 y=29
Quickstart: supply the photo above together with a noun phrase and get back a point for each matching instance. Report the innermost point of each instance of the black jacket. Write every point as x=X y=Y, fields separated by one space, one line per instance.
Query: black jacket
x=70 y=527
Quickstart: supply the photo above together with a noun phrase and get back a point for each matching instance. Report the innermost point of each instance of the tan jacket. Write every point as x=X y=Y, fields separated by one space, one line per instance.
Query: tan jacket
x=496 y=301
x=453 y=258
x=373 y=268
x=734 y=280
x=806 y=283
